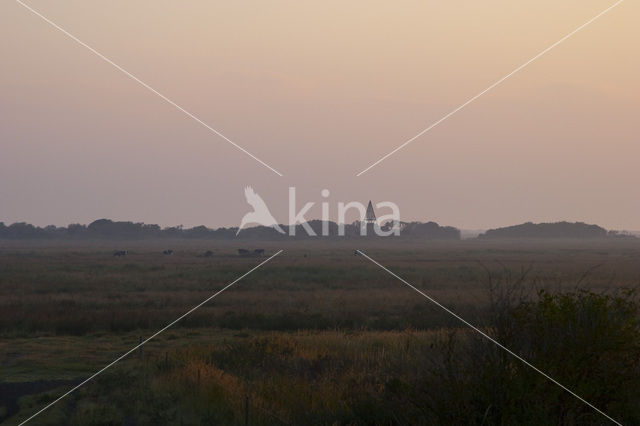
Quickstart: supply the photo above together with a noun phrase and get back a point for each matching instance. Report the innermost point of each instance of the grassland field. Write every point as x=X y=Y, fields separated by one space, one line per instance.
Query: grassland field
x=318 y=335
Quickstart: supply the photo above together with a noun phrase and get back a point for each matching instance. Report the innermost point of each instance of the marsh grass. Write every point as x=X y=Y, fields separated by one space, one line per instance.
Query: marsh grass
x=321 y=337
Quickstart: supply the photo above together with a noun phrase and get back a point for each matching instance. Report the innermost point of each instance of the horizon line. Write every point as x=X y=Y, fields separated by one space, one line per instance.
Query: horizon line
x=183 y=227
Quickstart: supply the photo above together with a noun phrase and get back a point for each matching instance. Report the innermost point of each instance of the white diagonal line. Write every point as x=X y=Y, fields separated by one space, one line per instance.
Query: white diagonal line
x=145 y=85
x=486 y=336
x=407 y=142
x=149 y=338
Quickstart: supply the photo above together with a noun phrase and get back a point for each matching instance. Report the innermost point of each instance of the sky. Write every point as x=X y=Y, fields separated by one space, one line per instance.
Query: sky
x=319 y=91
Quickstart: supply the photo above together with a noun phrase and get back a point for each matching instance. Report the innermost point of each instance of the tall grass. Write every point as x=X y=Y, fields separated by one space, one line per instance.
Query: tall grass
x=334 y=343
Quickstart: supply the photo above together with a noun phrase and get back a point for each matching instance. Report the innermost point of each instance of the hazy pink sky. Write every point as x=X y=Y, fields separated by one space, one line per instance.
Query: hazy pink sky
x=320 y=90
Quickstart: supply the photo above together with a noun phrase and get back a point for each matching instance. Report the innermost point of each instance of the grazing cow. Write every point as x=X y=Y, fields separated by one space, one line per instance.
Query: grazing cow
x=258 y=252
x=120 y=253
x=168 y=252
x=243 y=252
x=208 y=253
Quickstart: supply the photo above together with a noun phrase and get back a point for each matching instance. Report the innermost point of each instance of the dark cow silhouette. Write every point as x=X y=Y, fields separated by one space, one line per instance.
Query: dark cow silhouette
x=120 y=253
x=258 y=252
x=168 y=252
x=243 y=252
x=208 y=253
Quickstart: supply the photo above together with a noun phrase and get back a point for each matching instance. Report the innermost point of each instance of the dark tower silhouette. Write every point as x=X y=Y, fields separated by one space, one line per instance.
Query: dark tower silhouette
x=370 y=220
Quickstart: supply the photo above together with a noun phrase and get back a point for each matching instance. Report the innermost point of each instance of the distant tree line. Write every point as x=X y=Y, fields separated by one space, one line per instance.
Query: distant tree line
x=553 y=230
x=429 y=230
x=105 y=228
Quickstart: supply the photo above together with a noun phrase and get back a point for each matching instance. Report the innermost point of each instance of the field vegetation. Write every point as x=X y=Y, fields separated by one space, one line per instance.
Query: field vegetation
x=319 y=336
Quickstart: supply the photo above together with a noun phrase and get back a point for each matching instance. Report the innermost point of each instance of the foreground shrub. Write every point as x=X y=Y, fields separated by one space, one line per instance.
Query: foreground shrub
x=588 y=342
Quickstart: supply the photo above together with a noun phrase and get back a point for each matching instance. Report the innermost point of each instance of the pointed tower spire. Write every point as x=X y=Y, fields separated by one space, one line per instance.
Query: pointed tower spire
x=371 y=216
